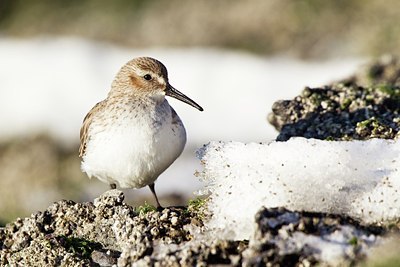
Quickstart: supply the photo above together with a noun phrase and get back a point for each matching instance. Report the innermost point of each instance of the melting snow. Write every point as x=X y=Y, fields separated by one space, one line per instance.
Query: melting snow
x=356 y=178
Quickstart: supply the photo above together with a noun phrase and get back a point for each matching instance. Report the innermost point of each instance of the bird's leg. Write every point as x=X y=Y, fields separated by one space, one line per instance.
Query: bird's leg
x=113 y=186
x=155 y=195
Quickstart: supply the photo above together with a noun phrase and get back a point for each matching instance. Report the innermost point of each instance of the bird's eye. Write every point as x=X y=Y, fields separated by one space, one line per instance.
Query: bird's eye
x=147 y=77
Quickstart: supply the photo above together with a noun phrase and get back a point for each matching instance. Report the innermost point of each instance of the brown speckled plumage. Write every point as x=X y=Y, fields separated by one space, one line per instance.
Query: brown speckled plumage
x=84 y=133
x=133 y=135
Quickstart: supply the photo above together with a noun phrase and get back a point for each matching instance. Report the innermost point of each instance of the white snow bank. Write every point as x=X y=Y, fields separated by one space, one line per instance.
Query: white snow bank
x=357 y=178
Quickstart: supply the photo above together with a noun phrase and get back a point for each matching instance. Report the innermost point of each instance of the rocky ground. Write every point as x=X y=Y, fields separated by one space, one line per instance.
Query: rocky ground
x=109 y=232
x=363 y=106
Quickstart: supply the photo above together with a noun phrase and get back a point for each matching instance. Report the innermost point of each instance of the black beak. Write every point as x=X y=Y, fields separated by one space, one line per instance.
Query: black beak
x=172 y=92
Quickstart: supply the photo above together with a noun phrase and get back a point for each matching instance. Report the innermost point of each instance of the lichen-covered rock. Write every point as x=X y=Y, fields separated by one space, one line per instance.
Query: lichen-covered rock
x=193 y=253
x=109 y=232
x=339 y=112
x=286 y=238
x=365 y=105
x=76 y=234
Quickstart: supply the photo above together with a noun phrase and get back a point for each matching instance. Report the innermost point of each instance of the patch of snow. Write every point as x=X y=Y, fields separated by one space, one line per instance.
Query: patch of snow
x=333 y=248
x=360 y=179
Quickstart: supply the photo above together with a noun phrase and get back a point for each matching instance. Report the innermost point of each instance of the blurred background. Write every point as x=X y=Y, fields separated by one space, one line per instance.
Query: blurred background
x=234 y=57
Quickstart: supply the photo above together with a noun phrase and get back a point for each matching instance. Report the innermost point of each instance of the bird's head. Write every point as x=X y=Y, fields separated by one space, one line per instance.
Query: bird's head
x=147 y=77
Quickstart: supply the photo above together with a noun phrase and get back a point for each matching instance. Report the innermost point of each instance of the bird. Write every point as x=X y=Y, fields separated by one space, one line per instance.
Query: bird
x=134 y=135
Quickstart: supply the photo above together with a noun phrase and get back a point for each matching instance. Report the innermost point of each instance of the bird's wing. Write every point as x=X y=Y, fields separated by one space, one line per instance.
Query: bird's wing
x=87 y=121
x=175 y=117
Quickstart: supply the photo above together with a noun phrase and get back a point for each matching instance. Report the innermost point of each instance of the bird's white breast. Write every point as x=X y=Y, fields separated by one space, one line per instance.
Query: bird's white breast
x=135 y=147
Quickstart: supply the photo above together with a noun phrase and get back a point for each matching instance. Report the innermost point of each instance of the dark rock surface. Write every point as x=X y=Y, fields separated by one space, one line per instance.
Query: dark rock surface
x=286 y=238
x=363 y=106
x=76 y=234
x=109 y=232
x=339 y=112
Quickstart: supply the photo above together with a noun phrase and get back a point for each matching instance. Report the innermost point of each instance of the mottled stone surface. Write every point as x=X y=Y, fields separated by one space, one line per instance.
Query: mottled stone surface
x=287 y=238
x=339 y=112
x=365 y=105
x=79 y=234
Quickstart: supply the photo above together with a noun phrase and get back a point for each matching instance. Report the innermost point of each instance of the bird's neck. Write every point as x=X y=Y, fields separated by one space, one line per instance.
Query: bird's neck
x=129 y=98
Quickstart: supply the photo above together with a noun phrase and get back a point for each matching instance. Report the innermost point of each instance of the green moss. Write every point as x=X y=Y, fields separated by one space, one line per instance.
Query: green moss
x=367 y=123
x=197 y=208
x=317 y=98
x=345 y=104
x=79 y=246
x=374 y=128
x=390 y=90
x=353 y=241
x=369 y=98
x=196 y=203
x=145 y=208
x=372 y=123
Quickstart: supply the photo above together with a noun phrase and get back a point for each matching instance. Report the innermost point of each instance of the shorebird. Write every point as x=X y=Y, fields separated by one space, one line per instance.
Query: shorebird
x=134 y=135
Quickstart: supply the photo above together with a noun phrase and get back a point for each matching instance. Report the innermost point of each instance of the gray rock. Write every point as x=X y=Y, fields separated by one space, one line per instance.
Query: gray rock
x=281 y=238
x=339 y=112
x=365 y=105
x=105 y=258
x=77 y=234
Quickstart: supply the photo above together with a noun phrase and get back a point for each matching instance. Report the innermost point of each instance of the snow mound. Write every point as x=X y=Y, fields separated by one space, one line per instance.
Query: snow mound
x=355 y=178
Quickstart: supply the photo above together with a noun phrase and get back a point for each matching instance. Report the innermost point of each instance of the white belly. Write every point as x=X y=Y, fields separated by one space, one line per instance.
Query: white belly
x=134 y=151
